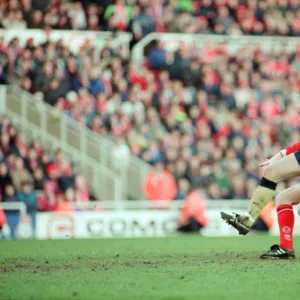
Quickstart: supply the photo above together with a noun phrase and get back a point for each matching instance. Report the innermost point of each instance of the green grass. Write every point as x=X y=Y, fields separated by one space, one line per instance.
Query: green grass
x=183 y=267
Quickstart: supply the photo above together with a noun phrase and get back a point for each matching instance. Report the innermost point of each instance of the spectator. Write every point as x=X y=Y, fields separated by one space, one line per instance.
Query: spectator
x=3 y=75
x=224 y=19
x=204 y=105
x=160 y=184
x=27 y=9
x=153 y=154
x=96 y=86
x=9 y=194
x=5 y=178
x=120 y=154
x=81 y=190
x=48 y=198
x=207 y=9
x=193 y=216
x=65 y=202
x=77 y=16
x=61 y=165
x=27 y=196
x=183 y=189
x=118 y=15
x=6 y=147
x=1 y=156
x=202 y=26
x=50 y=176
x=36 y=20
x=157 y=57
x=14 y=20
x=143 y=23
x=192 y=74
x=41 y=5
x=144 y=17
x=21 y=145
x=39 y=179
x=19 y=174
x=54 y=92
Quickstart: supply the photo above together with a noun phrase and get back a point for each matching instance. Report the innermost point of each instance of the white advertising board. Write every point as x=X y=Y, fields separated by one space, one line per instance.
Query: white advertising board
x=141 y=223
x=103 y=224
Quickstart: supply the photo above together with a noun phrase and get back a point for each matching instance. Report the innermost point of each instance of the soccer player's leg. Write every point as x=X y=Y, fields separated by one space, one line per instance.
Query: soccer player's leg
x=285 y=216
x=285 y=168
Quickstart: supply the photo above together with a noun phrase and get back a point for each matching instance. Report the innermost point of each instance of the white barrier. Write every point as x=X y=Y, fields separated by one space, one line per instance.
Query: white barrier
x=124 y=224
x=22 y=230
x=172 y=41
x=134 y=219
x=220 y=204
x=73 y=38
x=14 y=206
x=106 y=224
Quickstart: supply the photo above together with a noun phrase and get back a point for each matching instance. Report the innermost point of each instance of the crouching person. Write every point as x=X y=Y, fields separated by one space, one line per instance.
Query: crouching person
x=193 y=213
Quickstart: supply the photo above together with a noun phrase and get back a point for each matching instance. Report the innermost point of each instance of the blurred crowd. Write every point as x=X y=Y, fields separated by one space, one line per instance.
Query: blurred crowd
x=41 y=180
x=209 y=116
x=234 y=17
x=216 y=115
x=203 y=116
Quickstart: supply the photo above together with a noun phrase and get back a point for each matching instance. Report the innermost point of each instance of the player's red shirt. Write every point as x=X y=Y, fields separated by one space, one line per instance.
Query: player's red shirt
x=293 y=148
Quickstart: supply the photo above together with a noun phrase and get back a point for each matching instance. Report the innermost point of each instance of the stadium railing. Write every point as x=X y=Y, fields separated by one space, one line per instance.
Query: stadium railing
x=131 y=175
x=158 y=205
x=55 y=130
x=137 y=205
x=86 y=146
x=172 y=41
x=73 y=38
x=98 y=219
x=20 y=206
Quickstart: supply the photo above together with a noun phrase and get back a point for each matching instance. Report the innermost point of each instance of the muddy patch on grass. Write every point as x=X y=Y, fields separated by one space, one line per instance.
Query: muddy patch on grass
x=17 y=260
x=48 y=268
x=34 y=268
x=106 y=263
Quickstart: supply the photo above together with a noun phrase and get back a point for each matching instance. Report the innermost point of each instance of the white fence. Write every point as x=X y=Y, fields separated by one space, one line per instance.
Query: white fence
x=92 y=151
x=174 y=205
x=135 y=219
x=172 y=41
x=101 y=219
x=19 y=206
x=75 y=39
x=127 y=205
x=130 y=178
x=37 y=121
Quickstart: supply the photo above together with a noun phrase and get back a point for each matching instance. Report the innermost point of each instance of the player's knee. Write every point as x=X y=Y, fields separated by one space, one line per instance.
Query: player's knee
x=284 y=197
x=271 y=173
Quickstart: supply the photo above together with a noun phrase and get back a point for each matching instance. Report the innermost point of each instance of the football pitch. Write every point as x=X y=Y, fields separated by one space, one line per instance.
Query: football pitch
x=182 y=267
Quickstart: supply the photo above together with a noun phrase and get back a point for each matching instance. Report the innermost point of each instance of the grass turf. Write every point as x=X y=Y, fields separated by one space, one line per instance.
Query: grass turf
x=183 y=267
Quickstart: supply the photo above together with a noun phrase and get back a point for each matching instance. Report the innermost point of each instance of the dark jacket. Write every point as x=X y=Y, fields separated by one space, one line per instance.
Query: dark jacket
x=4 y=181
x=29 y=200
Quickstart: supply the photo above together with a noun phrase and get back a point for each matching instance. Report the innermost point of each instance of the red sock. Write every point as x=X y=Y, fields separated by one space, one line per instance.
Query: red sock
x=286 y=218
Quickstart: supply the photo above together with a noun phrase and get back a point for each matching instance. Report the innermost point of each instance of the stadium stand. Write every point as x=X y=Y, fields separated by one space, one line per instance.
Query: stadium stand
x=128 y=119
x=234 y=17
x=191 y=108
x=31 y=175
